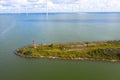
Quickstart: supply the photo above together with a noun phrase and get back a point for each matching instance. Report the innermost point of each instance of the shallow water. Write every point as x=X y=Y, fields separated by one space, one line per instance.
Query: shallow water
x=17 y=30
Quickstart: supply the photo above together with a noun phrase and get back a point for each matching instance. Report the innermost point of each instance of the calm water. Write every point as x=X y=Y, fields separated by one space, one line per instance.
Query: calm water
x=17 y=30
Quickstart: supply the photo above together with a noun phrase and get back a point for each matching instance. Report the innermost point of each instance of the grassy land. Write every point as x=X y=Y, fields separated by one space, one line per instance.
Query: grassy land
x=104 y=50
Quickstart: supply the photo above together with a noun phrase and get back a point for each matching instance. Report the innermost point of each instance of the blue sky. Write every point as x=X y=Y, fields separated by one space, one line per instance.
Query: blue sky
x=20 y=6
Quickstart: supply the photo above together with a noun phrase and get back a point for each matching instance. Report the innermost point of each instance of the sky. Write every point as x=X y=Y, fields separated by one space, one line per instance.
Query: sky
x=21 y=6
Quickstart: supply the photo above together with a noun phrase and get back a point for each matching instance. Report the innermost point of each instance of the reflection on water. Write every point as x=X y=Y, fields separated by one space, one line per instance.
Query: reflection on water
x=6 y=23
x=19 y=30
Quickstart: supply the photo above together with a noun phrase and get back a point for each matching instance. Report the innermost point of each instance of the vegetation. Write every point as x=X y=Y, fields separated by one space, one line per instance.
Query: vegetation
x=102 y=50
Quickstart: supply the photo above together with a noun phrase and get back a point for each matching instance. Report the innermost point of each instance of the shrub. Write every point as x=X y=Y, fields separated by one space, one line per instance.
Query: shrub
x=28 y=52
x=51 y=45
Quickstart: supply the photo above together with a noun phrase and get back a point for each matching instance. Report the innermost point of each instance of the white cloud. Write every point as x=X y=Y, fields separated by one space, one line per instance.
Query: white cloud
x=99 y=5
x=61 y=5
x=63 y=1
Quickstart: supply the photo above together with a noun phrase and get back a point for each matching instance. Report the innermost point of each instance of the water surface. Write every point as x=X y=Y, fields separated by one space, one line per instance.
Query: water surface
x=17 y=30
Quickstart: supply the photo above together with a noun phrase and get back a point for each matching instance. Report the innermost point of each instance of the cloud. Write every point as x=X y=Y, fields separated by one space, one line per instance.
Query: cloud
x=99 y=5
x=60 y=5
x=64 y=1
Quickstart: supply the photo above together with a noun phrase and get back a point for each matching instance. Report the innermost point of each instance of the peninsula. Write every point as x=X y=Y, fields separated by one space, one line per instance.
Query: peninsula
x=99 y=50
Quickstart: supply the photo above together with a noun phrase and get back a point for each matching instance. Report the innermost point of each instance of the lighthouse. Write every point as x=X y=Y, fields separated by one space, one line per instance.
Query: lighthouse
x=34 y=44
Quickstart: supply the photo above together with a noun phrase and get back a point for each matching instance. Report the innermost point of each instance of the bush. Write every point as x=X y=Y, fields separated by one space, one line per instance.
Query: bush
x=51 y=45
x=28 y=52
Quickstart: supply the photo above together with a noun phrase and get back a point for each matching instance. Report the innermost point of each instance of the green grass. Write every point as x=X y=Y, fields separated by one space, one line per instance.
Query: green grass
x=108 y=50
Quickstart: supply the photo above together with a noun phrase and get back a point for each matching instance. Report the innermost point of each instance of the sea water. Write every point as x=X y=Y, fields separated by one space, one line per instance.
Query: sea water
x=17 y=30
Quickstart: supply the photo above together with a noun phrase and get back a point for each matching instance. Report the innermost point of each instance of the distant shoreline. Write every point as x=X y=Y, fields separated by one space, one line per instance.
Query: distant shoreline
x=63 y=13
x=101 y=50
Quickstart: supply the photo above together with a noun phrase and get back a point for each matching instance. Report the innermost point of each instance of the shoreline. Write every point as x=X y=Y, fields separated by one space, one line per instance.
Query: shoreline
x=81 y=59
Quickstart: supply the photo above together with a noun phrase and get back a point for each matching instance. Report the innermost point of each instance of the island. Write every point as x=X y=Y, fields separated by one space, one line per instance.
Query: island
x=97 y=50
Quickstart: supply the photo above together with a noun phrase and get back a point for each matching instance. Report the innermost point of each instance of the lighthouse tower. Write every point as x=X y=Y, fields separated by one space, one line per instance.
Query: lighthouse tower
x=34 y=44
